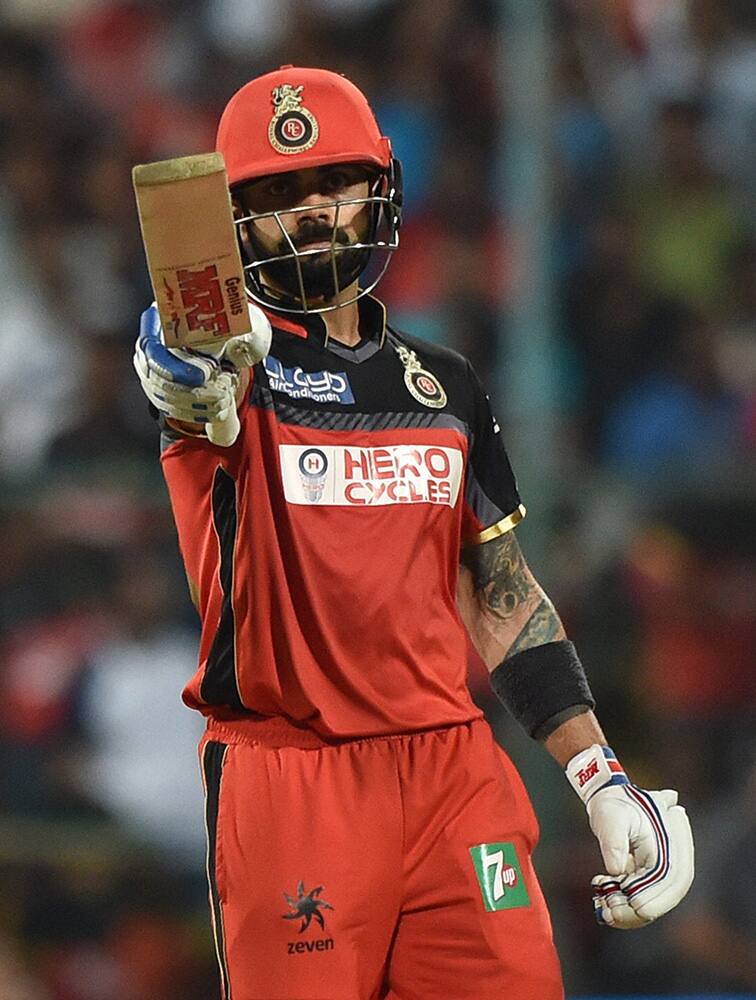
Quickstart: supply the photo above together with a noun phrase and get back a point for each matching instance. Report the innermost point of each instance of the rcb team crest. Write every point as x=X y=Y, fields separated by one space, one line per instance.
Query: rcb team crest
x=293 y=128
x=421 y=383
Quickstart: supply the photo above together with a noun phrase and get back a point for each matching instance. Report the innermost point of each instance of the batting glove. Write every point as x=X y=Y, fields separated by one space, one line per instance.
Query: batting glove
x=645 y=841
x=199 y=386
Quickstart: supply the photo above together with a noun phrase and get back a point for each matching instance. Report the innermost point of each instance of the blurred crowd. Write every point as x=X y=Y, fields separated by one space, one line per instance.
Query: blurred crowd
x=652 y=259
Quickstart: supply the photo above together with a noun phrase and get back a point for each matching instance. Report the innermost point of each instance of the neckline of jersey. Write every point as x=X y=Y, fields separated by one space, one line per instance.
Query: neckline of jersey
x=372 y=321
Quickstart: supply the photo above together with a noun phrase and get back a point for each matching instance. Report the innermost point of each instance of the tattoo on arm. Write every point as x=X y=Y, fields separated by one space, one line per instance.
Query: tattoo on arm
x=516 y=612
x=499 y=569
x=543 y=626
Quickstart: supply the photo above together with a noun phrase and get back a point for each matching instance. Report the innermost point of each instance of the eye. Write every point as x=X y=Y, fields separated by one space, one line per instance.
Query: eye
x=278 y=187
x=337 y=180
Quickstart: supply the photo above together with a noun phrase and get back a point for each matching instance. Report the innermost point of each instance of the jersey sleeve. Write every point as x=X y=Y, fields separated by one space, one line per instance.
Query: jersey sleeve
x=492 y=505
x=196 y=473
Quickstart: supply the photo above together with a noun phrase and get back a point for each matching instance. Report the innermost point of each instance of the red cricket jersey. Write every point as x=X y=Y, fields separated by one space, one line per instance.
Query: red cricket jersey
x=323 y=546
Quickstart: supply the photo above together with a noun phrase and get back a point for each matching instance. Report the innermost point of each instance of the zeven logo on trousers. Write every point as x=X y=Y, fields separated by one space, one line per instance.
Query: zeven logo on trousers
x=305 y=906
x=499 y=876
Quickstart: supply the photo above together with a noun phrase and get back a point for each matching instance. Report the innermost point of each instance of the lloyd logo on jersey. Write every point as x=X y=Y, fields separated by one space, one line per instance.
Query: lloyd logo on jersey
x=323 y=387
x=344 y=476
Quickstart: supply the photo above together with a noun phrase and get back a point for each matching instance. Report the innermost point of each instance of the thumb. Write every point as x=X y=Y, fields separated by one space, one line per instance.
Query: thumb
x=243 y=351
x=224 y=431
x=614 y=841
x=249 y=348
x=616 y=854
x=667 y=797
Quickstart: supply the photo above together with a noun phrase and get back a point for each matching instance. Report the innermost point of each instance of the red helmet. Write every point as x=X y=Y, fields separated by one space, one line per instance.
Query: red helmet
x=294 y=119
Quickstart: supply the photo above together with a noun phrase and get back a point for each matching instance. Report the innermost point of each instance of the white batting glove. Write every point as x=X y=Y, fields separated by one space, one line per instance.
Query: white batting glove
x=199 y=386
x=645 y=841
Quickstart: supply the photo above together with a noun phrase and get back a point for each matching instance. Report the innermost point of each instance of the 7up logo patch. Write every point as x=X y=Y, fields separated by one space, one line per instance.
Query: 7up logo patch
x=501 y=883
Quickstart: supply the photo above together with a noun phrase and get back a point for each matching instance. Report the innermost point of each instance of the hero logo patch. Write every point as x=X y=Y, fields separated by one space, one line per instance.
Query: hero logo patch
x=323 y=387
x=313 y=468
x=344 y=476
x=292 y=129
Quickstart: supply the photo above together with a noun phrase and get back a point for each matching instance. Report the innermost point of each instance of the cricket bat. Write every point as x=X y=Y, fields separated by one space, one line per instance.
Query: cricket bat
x=192 y=254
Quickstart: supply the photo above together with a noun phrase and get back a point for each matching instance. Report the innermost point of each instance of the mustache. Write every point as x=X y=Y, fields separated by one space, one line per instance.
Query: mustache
x=315 y=232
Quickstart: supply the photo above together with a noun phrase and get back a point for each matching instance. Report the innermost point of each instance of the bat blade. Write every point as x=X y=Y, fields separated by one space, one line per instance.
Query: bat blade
x=192 y=254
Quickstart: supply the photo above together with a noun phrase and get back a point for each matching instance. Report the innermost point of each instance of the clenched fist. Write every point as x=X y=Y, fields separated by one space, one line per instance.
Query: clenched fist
x=645 y=839
x=198 y=386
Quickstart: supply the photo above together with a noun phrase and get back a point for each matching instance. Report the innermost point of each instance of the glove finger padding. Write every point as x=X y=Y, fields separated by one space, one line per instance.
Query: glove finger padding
x=199 y=386
x=660 y=863
x=611 y=907
x=191 y=386
x=200 y=405
x=216 y=388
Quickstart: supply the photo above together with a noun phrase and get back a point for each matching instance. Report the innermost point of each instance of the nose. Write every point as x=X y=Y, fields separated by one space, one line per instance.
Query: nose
x=316 y=208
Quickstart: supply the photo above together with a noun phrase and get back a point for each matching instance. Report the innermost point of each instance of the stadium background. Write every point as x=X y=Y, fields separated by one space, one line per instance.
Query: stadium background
x=580 y=179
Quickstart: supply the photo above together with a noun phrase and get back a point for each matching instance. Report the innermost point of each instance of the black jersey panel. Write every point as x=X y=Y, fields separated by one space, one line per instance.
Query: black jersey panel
x=490 y=488
x=219 y=685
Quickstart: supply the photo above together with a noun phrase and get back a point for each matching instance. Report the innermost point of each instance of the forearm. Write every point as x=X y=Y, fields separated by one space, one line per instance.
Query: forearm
x=503 y=606
x=514 y=626
x=575 y=734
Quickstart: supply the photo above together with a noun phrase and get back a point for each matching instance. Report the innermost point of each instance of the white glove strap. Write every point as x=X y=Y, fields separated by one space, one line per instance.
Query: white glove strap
x=593 y=769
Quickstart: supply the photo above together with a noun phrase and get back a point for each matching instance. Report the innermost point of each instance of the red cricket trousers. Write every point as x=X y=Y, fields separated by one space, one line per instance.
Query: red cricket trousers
x=392 y=868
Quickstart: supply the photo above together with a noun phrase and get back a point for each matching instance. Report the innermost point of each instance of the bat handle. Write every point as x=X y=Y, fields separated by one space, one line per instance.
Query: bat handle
x=224 y=432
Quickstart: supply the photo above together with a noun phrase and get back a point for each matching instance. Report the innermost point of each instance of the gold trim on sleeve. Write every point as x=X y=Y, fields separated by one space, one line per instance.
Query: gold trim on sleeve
x=503 y=526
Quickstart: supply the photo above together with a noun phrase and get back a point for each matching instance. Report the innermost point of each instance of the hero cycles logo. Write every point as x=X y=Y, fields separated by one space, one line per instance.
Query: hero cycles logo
x=345 y=476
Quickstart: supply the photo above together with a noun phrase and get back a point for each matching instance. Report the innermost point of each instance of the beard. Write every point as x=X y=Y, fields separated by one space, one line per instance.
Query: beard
x=317 y=269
